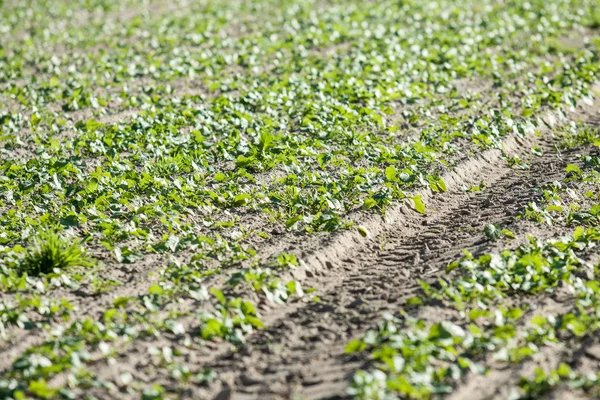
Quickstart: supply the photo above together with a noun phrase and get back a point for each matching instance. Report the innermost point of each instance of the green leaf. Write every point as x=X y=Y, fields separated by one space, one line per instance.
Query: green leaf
x=172 y=243
x=573 y=168
x=355 y=346
x=418 y=204
x=121 y=302
x=290 y=223
x=369 y=203
x=92 y=186
x=390 y=173
x=219 y=295
x=156 y=289
x=241 y=200
x=211 y=328
x=508 y=233
x=40 y=389
x=362 y=231
x=492 y=232
x=220 y=177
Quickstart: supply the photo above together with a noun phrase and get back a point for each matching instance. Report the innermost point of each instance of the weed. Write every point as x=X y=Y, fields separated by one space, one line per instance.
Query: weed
x=52 y=252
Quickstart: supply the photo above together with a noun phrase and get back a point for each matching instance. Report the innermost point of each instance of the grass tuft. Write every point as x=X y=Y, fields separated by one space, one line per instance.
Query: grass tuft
x=51 y=251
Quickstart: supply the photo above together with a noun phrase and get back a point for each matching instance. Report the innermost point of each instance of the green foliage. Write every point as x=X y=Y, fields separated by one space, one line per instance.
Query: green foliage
x=50 y=252
x=171 y=142
x=578 y=135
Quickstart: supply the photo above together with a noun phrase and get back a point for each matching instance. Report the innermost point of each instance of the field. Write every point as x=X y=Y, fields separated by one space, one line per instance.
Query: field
x=299 y=199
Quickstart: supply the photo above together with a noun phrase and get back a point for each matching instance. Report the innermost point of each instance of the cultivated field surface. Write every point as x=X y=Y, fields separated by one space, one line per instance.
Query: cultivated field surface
x=299 y=199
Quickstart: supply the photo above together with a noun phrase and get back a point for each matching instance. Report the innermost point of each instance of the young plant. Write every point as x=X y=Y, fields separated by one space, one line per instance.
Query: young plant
x=51 y=251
